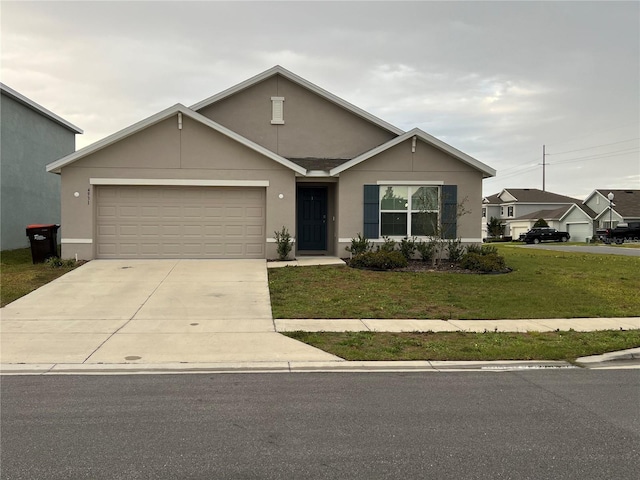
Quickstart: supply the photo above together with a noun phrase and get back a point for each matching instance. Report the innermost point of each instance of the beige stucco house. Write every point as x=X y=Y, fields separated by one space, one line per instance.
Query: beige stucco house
x=217 y=179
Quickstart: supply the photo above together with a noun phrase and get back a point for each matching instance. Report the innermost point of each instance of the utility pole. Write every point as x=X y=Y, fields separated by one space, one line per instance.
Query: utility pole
x=544 y=156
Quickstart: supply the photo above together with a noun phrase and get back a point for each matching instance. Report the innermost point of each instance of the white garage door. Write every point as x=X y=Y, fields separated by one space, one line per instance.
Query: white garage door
x=180 y=222
x=579 y=232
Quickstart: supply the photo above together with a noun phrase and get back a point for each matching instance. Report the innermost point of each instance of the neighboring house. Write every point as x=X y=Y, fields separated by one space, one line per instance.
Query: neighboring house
x=219 y=178
x=576 y=219
x=625 y=207
x=31 y=137
x=519 y=208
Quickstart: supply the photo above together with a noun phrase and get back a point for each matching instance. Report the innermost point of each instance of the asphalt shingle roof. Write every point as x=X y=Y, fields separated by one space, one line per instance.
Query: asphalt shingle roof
x=627 y=202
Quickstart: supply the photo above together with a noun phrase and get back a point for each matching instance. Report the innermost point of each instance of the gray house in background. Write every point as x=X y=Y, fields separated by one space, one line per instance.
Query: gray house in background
x=31 y=137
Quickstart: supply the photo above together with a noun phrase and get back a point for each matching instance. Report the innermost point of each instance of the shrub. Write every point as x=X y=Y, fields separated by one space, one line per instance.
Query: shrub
x=283 y=241
x=408 y=247
x=426 y=250
x=359 y=245
x=55 y=262
x=379 y=260
x=491 y=262
x=456 y=250
x=389 y=245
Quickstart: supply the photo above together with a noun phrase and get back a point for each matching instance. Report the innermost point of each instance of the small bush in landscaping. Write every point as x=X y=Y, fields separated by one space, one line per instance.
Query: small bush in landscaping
x=408 y=247
x=359 y=245
x=491 y=262
x=456 y=250
x=379 y=260
x=426 y=250
x=55 y=262
x=389 y=245
x=283 y=242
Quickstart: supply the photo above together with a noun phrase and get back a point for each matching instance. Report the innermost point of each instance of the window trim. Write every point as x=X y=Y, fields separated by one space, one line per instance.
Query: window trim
x=412 y=187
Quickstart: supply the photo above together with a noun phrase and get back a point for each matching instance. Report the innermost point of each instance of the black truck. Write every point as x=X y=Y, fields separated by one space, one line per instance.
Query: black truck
x=624 y=231
x=544 y=234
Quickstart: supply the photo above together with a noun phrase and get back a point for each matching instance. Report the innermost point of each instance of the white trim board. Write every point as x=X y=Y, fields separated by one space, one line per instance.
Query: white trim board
x=76 y=240
x=421 y=183
x=18 y=97
x=179 y=182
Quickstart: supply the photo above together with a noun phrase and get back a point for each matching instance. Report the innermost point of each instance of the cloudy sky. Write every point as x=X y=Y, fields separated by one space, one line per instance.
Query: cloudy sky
x=496 y=80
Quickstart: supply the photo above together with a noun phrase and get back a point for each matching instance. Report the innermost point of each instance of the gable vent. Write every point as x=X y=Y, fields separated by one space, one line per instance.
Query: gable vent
x=277 y=110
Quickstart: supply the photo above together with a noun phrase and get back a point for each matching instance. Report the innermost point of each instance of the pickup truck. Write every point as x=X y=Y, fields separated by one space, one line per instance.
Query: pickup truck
x=628 y=231
x=544 y=234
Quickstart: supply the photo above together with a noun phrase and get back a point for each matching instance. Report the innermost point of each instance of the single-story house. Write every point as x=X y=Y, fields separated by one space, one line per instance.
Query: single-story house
x=515 y=207
x=217 y=179
x=32 y=137
x=624 y=208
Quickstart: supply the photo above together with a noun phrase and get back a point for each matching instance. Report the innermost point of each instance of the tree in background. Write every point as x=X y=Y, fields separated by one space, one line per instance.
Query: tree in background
x=495 y=227
x=541 y=222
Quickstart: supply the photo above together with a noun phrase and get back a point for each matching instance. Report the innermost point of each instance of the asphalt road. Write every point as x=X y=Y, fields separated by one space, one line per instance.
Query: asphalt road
x=601 y=249
x=558 y=424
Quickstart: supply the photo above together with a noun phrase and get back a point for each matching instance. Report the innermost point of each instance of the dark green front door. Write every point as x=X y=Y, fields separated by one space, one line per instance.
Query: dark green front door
x=312 y=218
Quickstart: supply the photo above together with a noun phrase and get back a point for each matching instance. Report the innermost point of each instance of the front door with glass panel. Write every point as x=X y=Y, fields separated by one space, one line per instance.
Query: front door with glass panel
x=312 y=218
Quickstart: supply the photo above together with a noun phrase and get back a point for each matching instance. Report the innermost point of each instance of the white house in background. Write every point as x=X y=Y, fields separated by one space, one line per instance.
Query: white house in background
x=576 y=219
x=625 y=207
x=519 y=208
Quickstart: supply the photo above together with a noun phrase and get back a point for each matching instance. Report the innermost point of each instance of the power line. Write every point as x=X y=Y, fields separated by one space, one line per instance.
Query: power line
x=599 y=131
x=595 y=157
x=595 y=146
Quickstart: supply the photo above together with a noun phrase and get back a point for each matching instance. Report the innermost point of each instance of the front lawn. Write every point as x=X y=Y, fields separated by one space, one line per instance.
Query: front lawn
x=486 y=346
x=543 y=284
x=19 y=276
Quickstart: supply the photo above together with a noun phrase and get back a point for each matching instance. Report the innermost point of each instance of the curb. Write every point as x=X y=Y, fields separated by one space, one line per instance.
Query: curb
x=278 y=367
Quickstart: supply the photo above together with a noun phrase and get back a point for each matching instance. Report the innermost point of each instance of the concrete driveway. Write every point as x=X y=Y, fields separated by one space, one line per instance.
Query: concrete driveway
x=150 y=311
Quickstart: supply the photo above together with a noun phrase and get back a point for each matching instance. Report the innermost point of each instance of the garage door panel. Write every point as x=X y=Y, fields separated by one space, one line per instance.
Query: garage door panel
x=174 y=222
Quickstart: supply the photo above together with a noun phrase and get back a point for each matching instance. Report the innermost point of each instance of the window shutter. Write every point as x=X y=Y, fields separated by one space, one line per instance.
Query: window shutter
x=449 y=211
x=371 y=211
x=277 y=110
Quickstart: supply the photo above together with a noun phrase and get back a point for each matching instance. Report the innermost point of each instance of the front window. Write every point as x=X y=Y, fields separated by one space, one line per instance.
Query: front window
x=409 y=210
x=484 y=213
x=509 y=211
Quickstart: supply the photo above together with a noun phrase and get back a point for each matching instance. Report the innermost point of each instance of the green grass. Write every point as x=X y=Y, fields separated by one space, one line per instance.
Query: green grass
x=543 y=284
x=470 y=346
x=19 y=276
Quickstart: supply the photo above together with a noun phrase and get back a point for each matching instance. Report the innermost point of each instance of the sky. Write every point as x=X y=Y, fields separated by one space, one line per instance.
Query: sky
x=496 y=80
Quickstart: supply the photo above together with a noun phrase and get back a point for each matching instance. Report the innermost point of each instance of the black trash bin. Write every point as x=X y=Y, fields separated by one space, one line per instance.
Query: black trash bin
x=44 y=241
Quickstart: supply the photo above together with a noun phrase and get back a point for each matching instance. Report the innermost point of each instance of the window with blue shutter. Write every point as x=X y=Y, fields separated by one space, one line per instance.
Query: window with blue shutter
x=371 y=211
x=449 y=211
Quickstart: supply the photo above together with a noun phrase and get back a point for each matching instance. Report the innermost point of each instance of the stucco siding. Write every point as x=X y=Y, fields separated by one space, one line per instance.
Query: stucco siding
x=313 y=126
x=195 y=152
x=29 y=194
x=426 y=165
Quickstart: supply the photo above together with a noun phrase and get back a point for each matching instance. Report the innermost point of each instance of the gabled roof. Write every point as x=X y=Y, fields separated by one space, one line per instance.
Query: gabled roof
x=278 y=70
x=492 y=200
x=425 y=137
x=555 y=214
x=533 y=195
x=163 y=115
x=27 y=102
x=625 y=202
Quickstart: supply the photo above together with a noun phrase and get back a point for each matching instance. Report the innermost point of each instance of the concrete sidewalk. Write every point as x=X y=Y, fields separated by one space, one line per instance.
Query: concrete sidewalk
x=414 y=325
x=167 y=316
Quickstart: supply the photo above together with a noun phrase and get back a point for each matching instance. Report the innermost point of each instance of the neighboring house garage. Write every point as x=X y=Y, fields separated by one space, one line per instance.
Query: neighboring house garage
x=178 y=221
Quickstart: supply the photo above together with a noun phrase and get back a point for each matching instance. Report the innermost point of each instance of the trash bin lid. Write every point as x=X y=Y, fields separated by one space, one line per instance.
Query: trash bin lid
x=42 y=225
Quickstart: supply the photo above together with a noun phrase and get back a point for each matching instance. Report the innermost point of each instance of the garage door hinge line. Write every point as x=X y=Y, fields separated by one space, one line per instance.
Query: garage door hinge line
x=134 y=314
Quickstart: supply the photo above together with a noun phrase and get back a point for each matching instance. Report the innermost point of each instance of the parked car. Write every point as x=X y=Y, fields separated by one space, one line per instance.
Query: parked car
x=544 y=234
x=622 y=232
